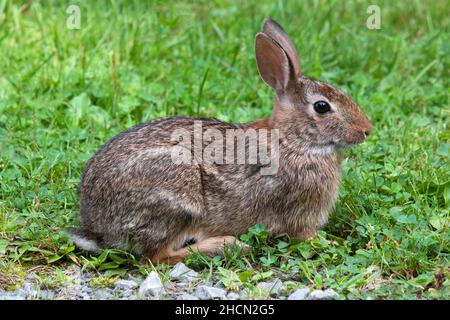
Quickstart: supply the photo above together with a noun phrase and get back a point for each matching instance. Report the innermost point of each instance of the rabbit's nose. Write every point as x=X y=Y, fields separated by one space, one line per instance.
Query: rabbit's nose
x=368 y=129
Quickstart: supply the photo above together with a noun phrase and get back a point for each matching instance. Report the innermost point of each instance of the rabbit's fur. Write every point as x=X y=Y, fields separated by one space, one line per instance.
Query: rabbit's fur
x=132 y=197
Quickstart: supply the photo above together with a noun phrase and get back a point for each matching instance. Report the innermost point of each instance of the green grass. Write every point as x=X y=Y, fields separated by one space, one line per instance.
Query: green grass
x=63 y=93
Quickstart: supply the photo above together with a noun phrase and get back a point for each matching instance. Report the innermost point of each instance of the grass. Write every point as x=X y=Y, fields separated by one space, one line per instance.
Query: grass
x=63 y=93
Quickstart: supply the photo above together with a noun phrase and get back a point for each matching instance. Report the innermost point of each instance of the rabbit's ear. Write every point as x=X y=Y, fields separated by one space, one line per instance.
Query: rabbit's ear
x=273 y=63
x=277 y=33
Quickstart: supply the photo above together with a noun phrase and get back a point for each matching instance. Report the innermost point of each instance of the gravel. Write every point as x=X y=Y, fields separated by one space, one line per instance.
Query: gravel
x=184 y=284
x=46 y=295
x=204 y=292
x=323 y=295
x=126 y=284
x=300 y=294
x=182 y=273
x=102 y=294
x=233 y=296
x=187 y=297
x=10 y=296
x=152 y=286
x=127 y=293
x=273 y=287
x=28 y=291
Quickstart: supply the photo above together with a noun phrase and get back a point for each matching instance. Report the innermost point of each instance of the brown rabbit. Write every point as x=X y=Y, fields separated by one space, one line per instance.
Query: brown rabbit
x=134 y=196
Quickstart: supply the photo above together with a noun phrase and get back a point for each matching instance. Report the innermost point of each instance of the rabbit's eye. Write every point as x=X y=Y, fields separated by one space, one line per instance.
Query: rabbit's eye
x=322 y=107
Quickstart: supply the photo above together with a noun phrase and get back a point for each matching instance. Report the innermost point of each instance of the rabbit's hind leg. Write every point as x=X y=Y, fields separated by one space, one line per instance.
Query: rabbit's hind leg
x=209 y=246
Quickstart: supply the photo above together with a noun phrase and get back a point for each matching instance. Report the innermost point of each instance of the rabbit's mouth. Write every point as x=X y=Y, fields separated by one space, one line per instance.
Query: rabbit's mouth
x=348 y=144
x=344 y=145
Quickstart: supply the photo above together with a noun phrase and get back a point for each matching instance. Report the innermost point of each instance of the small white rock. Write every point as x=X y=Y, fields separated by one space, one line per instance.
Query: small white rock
x=127 y=293
x=152 y=286
x=126 y=284
x=299 y=294
x=101 y=294
x=273 y=287
x=233 y=296
x=187 y=297
x=204 y=292
x=328 y=294
x=10 y=296
x=182 y=273
x=245 y=294
x=46 y=295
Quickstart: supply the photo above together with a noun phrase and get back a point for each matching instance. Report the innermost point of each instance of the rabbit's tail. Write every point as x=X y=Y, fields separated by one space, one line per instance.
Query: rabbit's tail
x=83 y=240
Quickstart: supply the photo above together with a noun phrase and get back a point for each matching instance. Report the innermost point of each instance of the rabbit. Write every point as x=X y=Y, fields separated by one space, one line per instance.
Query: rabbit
x=133 y=196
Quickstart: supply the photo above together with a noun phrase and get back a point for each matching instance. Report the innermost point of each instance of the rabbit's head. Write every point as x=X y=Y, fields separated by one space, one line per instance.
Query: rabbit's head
x=320 y=114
